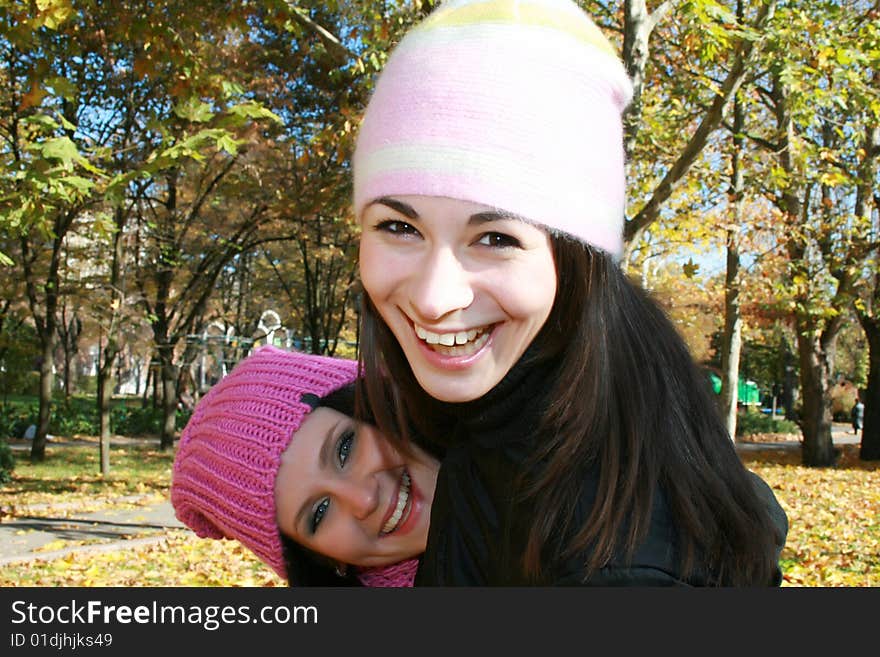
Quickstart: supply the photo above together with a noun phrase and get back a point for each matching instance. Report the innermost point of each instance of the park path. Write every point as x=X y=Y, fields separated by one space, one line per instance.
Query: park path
x=27 y=537
x=127 y=521
x=137 y=520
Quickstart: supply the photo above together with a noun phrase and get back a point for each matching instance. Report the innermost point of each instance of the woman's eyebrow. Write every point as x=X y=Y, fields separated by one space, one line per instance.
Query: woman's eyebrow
x=403 y=208
x=493 y=215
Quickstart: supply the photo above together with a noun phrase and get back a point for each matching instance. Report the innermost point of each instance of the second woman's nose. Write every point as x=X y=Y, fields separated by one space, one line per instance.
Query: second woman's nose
x=359 y=495
x=441 y=286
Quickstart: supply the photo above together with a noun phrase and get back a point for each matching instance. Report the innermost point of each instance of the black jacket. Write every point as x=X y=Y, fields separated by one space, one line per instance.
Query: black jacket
x=477 y=534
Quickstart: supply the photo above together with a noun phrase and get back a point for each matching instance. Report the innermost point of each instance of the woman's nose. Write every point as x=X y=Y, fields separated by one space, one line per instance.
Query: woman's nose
x=360 y=496
x=442 y=286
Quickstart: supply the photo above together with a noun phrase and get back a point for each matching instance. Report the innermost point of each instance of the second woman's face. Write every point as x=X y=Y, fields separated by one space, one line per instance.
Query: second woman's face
x=463 y=287
x=344 y=492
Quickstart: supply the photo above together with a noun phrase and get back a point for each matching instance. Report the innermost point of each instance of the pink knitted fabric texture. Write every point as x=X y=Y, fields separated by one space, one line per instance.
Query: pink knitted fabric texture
x=514 y=104
x=223 y=479
x=397 y=575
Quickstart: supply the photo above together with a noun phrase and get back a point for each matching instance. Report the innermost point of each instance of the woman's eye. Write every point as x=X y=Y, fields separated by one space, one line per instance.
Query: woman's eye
x=320 y=510
x=396 y=227
x=346 y=441
x=499 y=241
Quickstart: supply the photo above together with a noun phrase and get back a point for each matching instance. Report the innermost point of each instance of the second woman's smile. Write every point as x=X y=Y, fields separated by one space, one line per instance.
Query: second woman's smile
x=400 y=507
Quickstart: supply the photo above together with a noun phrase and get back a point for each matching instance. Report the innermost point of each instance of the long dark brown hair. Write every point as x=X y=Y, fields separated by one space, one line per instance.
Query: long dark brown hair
x=630 y=405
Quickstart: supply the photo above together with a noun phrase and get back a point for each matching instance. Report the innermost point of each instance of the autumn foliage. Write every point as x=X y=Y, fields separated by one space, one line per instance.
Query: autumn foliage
x=833 y=540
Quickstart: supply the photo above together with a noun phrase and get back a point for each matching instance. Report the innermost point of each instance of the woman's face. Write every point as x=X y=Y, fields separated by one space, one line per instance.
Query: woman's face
x=463 y=287
x=344 y=492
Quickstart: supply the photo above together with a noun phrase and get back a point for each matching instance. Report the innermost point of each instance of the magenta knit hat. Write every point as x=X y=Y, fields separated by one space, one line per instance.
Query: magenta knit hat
x=223 y=480
x=514 y=104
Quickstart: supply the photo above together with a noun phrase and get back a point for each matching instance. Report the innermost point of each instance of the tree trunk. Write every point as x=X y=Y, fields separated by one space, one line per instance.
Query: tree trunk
x=47 y=382
x=816 y=418
x=789 y=381
x=47 y=325
x=870 y=448
x=637 y=27
x=110 y=353
x=169 y=397
x=104 y=381
x=869 y=314
x=68 y=336
x=66 y=369
x=732 y=338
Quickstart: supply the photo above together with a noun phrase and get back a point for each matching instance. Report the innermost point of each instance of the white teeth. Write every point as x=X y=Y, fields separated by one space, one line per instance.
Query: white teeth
x=427 y=336
x=402 y=499
x=448 y=339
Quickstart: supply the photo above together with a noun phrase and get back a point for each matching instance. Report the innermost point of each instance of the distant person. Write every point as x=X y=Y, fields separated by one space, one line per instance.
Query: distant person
x=857 y=415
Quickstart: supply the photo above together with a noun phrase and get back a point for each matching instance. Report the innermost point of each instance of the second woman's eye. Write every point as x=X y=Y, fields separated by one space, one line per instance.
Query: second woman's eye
x=344 y=447
x=318 y=515
x=499 y=241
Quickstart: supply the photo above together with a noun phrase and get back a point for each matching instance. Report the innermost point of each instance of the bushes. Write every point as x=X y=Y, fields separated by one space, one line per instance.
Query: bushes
x=7 y=462
x=753 y=422
x=139 y=421
x=79 y=415
x=15 y=418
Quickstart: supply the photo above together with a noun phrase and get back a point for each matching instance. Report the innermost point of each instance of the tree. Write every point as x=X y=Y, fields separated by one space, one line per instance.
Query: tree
x=816 y=92
x=717 y=28
x=46 y=182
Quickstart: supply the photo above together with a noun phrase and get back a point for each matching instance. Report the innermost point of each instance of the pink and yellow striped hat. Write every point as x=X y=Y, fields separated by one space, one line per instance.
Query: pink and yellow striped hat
x=515 y=104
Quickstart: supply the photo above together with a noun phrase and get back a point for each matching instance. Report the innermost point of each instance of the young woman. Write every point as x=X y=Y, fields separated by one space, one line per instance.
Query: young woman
x=272 y=458
x=582 y=444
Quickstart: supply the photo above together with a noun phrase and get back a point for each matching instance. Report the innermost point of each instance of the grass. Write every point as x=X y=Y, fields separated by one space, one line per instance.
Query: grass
x=833 y=540
x=71 y=474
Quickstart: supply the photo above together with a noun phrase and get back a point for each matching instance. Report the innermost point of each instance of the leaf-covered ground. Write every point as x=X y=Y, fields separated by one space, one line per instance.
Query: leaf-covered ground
x=834 y=515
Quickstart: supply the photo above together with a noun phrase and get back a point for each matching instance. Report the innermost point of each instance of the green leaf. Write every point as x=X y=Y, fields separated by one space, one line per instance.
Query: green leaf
x=42 y=120
x=231 y=89
x=82 y=185
x=229 y=144
x=252 y=110
x=54 y=12
x=60 y=148
x=194 y=110
x=103 y=225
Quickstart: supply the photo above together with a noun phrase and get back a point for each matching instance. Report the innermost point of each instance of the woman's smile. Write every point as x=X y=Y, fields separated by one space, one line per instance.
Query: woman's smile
x=454 y=343
x=400 y=505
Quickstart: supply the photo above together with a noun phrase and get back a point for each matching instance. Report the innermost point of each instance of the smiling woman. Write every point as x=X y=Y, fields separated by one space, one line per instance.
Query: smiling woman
x=272 y=458
x=581 y=445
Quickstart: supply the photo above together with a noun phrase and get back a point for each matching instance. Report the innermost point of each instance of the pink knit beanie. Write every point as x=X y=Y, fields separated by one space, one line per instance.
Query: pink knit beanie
x=515 y=104
x=223 y=480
